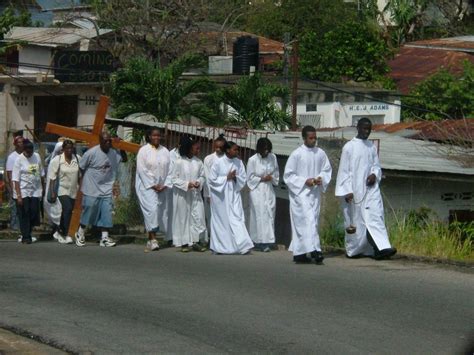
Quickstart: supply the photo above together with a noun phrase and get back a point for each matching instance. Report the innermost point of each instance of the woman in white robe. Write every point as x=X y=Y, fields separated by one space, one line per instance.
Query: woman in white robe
x=263 y=175
x=357 y=185
x=187 y=176
x=227 y=178
x=307 y=175
x=153 y=162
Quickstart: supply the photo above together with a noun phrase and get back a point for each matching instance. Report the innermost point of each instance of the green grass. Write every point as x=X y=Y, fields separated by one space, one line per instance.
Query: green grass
x=432 y=238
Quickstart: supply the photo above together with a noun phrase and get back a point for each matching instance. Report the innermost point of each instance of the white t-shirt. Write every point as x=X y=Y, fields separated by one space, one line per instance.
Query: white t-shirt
x=68 y=174
x=28 y=172
x=12 y=157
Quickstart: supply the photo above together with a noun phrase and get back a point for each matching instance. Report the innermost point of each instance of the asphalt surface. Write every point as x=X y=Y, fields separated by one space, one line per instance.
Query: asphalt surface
x=123 y=300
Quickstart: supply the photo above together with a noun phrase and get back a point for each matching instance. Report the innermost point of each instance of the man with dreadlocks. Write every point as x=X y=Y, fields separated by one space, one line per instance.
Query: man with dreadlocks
x=357 y=186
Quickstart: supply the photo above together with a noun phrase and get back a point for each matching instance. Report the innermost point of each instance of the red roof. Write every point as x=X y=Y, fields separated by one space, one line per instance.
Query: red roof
x=455 y=131
x=462 y=43
x=412 y=65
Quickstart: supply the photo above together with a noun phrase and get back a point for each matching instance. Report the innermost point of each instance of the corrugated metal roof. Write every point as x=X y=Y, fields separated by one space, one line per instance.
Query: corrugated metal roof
x=51 y=37
x=412 y=65
x=396 y=152
x=461 y=43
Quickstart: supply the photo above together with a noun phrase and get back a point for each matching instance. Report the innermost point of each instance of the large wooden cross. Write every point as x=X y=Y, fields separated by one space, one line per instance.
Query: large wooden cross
x=92 y=139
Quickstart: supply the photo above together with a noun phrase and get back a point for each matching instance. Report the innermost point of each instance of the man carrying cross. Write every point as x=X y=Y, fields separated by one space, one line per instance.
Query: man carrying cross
x=99 y=168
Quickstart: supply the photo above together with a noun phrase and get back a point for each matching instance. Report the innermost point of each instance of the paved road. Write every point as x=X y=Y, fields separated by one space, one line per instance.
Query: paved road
x=122 y=300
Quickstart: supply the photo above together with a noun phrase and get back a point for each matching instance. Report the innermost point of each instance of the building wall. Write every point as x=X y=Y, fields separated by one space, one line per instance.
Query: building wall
x=337 y=114
x=3 y=125
x=37 y=55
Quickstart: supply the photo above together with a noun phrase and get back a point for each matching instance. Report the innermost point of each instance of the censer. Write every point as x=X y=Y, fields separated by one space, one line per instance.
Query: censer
x=352 y=228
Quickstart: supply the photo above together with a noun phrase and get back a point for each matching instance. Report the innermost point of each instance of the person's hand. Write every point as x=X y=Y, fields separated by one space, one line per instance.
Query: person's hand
x=156 y=187
x=197 y=184
x=19 y=201
x=349 y=197
x=161 y=188
x=266 y=178
x=371 y=180
x=318 y=181
x=231 y=175
x=54 y=196
x=190 y=185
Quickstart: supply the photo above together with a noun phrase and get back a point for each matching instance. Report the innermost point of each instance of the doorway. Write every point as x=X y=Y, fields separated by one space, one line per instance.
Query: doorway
x=54 y=109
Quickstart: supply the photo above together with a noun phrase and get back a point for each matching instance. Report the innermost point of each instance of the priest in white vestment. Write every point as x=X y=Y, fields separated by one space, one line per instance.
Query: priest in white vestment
x=227 y=178
x=357 y=185
x=153 y=162
x=307 y=175
x=209 y=160
x=262 y=176
x=187 y=176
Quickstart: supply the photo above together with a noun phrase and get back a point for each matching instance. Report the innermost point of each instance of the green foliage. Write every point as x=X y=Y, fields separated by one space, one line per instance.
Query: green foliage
x=253 y=102
x=431 y=238
x=449 y=94
x=332 y=231
x=352 y=50
x=10 y=18
x=276 y=17
x=142 y=86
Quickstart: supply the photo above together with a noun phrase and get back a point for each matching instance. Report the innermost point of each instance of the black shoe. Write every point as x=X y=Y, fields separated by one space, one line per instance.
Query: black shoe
x=385 y=254
x=318 y=257
x=301 y=259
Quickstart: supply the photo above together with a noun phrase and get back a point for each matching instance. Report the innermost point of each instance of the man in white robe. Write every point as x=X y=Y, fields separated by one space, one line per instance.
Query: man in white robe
x=187 y=177
x=227 y=178
x=263 y=175
x=153 y=162
x=357 y=185
x=209 y=160
x=307 y=175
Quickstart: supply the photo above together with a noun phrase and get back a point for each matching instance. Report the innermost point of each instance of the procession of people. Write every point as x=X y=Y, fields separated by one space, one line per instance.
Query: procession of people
x=197 y=204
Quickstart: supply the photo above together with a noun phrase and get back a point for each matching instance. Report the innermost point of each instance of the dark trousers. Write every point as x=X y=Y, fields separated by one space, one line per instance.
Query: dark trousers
x=29 y=216
x=67 y=205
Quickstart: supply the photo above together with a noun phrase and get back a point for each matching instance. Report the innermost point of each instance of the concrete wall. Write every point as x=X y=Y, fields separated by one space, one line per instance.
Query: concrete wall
x=37 y=55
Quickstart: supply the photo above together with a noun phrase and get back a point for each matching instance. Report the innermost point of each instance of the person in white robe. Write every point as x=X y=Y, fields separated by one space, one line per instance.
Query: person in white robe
x=187 y=176
x=262 y=176
x=226 y=179
x=307 y=175
x=218 y=147
x=153 y=162
x=358 y=187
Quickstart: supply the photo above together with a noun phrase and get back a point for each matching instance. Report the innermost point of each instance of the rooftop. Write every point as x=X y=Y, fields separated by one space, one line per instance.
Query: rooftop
x=51 y=37
x=461 y=44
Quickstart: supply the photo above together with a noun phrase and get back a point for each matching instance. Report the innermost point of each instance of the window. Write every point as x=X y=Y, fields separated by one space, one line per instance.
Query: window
x=311 y=107
x=90 y=100
x=22 y=100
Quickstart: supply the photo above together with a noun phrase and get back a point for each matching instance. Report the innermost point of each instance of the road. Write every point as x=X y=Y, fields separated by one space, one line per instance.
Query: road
x=123 y=300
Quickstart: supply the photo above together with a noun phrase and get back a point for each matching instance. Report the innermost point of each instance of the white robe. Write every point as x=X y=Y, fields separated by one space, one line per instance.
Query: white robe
x=208 y=162
x=305 y=201
x=228 y=232
x=52 y=210
x=189 y=223
x=152 y=169
x=262 y=197
x=359 y=159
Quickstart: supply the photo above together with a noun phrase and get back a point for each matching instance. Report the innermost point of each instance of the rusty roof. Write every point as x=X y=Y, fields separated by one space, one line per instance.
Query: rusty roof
x=413 y=64
x=461 y=44
x=453 y=131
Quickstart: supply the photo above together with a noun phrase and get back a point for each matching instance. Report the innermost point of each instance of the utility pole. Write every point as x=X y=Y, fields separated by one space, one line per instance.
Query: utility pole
x=294 y=91
x=286 y=69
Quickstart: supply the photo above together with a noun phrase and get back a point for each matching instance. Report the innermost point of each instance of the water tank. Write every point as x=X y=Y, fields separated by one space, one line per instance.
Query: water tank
x=245 y=55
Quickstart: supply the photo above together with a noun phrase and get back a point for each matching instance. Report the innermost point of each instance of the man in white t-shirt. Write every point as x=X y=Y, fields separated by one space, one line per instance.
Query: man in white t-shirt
x=27 y=177
x=12 y=157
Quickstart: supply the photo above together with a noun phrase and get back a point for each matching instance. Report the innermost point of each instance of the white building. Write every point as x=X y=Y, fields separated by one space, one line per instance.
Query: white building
x=31 y=95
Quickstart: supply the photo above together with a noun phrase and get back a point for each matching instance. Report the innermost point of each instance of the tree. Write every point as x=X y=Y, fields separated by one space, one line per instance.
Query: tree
x=10 y=18
x=276 y=17
x=352 y=50
x=142 y=86
x=252 y=103
x=447 y=94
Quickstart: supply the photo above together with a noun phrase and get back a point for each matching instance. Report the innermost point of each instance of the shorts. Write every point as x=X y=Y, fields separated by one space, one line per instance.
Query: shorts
x=97 y=211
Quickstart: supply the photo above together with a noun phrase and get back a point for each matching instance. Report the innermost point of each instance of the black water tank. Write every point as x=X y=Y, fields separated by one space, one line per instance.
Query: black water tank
x=245 y=55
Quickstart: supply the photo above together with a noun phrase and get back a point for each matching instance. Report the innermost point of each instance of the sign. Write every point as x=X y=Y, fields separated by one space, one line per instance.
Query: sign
x=370 y=107
x=83 y=66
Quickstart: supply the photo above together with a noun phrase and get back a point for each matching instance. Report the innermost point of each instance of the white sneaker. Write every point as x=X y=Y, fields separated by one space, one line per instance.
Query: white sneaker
x=68 y=240
x=19 y=238
x=107 y=242
x=152 y=245
x=80 y=240
x=34 y=239
x=59 y=237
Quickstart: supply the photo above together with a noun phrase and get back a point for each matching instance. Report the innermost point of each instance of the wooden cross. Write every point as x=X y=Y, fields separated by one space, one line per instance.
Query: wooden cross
x=92 y=139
